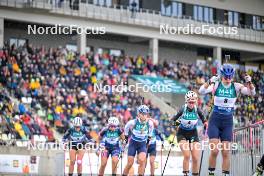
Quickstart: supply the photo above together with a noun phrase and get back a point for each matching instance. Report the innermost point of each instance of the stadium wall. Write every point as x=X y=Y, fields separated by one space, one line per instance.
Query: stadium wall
x=133 y=30
x=55 y=162
x=51 y=162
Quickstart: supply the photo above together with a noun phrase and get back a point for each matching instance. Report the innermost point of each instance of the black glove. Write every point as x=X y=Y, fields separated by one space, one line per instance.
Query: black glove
x=172 y=143
x=148 y=140
x=126 y=139
x=176 y=123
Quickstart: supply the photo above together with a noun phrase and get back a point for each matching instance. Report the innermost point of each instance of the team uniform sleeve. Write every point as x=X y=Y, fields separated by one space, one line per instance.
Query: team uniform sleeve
x=66 y=135
x=87 y=134
x=240 y=88
x=203 y=90
x=120 y=131
x=178 y=115
x=102 y=132
x=128 y=126
x=151 y=128
x=155 y=122
x=201 y=115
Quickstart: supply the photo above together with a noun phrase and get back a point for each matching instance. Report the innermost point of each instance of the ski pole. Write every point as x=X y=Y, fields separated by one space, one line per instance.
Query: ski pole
x=120 y=157
x=204 y=132
x=161 y=159
x=90 y=163
x=168 y=155
x=121 y=161
x=98 y=164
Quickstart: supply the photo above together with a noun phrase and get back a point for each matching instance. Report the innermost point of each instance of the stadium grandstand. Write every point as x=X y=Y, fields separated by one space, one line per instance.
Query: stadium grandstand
x=55 y=54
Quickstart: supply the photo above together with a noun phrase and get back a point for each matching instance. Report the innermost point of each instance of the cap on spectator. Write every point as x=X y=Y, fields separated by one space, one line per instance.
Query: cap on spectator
x=83 y=93
x=38 y=106
x=24 y=100
x=16 y=117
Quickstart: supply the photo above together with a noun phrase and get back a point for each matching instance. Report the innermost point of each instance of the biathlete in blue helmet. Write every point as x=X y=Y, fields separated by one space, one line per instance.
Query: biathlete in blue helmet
x=220 y=127
x=141 y=130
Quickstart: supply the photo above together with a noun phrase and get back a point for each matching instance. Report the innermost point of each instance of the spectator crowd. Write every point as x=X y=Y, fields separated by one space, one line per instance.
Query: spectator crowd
x=52 y=86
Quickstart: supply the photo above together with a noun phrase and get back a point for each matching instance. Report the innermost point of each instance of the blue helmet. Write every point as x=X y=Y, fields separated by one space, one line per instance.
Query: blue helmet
x=143 y=109
x=227 y=70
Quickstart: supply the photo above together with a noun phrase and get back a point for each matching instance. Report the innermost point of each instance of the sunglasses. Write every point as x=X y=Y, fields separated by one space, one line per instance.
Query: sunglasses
x=191 y=102
x=228 y=77
x=112 y=126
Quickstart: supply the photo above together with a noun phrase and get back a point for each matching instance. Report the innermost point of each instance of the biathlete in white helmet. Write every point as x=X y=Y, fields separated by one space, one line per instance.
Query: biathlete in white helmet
x=187 y=135
x=77 y=136
x=110 y=144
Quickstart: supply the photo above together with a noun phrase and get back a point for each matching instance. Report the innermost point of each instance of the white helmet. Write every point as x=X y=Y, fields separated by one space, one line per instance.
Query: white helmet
x=190 y=96
x=113 y=121
x=143 y=109
x=77 y=121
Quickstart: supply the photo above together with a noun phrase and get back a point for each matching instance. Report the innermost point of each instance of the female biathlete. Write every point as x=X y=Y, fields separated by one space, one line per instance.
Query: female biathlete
x=151 y=148
x=141 y=130
x=220 y=127
x=187 y=135
x=77 y=136
x=110 y=137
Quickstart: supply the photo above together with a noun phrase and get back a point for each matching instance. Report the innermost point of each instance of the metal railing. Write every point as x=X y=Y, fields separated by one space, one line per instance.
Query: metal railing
x=121 y=14
x=250 y=148
x=247 y=149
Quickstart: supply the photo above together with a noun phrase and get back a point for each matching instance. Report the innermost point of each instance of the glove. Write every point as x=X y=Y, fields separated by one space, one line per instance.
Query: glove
x=89 y=141
x=65 y=141
x=98 y=152
x=205 y=125
x=248 y=79
x=126 y=139
x=148 y=140
x=176 y=123
x=214 y=79
x=123 y=149
x=172 y=143
x=101 y=148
